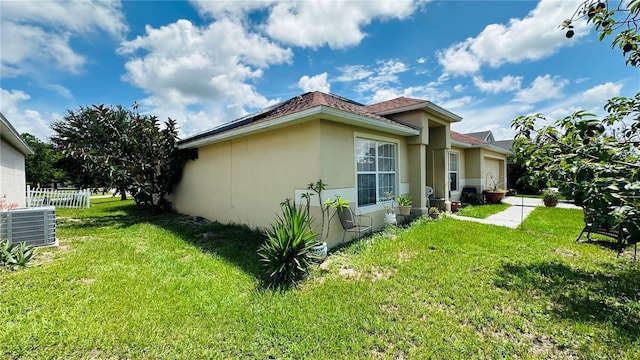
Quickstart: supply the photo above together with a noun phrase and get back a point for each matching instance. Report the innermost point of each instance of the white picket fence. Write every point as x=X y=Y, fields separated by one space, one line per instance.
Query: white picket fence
x=71 y=199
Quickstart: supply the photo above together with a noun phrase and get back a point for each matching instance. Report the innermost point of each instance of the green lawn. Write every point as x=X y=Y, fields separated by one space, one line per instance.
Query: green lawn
x=126 y=285
x=482 y=211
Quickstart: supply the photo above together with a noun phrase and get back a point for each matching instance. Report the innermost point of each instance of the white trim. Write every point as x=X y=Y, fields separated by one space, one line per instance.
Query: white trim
x=488 y=146
x=494 y=157
x=366 y=136
x=459 y=180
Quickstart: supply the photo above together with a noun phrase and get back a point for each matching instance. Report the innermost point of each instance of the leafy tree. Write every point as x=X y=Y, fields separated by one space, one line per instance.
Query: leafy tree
x=595 y=161
x=41 y=167
x=123 y=149
x=159 y=164
x=621 y=22
x=96 y=141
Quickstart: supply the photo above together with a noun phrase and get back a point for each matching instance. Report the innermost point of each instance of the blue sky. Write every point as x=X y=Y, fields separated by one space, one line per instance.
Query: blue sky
x=207 y=62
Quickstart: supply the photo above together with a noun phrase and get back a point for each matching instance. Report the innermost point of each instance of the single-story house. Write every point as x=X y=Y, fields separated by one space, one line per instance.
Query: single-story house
x=247 y=167
x=12 y=169
x=478 y=161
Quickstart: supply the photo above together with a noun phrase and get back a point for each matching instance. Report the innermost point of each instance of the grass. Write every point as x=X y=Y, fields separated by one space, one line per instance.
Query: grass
x=482 y=211
x=127 y=285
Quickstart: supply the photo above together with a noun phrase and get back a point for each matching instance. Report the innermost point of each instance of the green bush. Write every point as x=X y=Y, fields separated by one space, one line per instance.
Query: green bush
x=15 y=254
x=285 y=254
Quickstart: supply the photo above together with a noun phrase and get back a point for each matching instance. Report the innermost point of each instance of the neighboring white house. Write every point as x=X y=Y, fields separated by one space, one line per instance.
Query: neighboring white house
x=12 y=169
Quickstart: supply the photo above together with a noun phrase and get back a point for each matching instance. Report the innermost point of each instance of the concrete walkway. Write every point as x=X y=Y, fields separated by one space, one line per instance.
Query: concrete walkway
x=515 y=214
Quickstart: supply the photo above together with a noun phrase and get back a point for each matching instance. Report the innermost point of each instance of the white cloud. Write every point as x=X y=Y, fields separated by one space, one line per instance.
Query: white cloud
x=507 y=83
x=432 y=94
x=496 y=118
x=457 y=59
x=591 y=100
x=337 y=24
x=315 y=83
x=459 y=88
x=392 y=67
x=25 y=47
x=421 y=60
x=457 y=103
x=60 y=90
x=601 y=93
x=528 y=39
x=353 y=73
x=38 y=32
x=542 y=88
x=29 y=121
x=215 y=64
x=382 y=77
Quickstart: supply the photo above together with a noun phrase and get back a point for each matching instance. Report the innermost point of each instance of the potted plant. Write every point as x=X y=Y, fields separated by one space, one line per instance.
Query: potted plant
x=550 y=198
x=404 y=204
x=455 y=206
x=494 y=193
x=320 y=250
x=434 y=212
x=390 y=216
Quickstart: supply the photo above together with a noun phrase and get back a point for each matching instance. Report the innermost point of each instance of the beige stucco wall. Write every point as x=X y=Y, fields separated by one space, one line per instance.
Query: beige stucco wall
x=244 y=180
x=462 y=172
x=473 y=168
x=12 y=174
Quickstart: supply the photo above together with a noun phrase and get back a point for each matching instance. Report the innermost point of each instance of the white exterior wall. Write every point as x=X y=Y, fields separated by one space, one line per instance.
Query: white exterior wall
x=12 y=174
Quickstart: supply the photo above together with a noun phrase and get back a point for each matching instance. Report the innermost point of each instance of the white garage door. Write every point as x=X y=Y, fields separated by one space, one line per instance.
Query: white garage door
x=492 y=166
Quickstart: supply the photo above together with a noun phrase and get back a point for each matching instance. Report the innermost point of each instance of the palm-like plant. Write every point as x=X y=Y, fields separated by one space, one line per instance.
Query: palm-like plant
x=15 y=254
x=285 y=254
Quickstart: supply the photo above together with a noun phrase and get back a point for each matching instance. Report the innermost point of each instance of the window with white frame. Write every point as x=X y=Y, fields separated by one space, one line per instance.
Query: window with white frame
x=454 y=184
x=376 y=170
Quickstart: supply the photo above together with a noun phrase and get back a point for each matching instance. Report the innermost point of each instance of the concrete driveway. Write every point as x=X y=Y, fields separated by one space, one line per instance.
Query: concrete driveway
x=515 y=214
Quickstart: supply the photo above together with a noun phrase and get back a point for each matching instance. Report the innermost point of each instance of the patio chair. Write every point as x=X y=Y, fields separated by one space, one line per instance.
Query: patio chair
x=428 y=192
x=350 y=225
x=619 y=233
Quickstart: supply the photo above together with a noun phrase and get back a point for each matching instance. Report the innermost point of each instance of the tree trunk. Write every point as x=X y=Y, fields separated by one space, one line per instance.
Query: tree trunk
x=123 y=194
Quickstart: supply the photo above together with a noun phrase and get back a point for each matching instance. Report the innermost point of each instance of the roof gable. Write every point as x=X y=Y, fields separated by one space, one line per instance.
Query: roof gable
x=394 y=104
x=466 y=138
x=483 y=135
x=470 y=141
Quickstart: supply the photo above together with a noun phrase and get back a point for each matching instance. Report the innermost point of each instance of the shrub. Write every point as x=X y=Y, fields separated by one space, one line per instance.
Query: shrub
x=15 y=254
x=550 y=195
x=286 y=255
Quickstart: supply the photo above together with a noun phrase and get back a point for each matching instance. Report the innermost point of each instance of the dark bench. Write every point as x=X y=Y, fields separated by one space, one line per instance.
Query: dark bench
x=619 y=233
x=470 y=196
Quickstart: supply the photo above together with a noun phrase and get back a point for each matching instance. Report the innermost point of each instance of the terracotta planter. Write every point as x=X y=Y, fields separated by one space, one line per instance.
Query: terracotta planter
x=404 y=210
x=550 y=202
x=494 y=197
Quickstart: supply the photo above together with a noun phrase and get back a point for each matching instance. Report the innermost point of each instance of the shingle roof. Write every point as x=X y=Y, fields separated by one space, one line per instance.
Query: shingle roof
x=393 y=104
x=482 y=135
x=506 y=144
x=294 y=105
x=466 y=138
